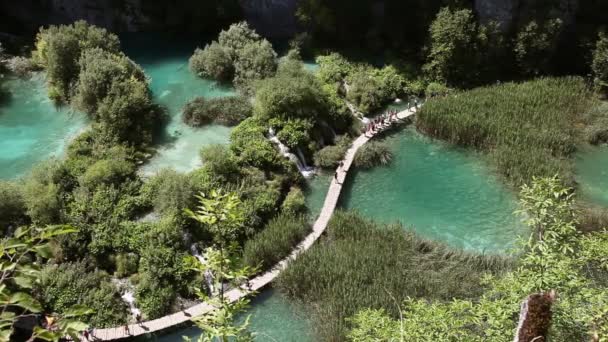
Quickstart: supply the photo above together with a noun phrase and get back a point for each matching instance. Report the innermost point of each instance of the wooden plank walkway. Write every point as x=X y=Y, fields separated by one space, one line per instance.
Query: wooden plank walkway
x=257 y=283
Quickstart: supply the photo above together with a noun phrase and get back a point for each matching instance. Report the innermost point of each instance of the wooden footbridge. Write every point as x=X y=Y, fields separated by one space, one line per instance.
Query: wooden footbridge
x=257 y=283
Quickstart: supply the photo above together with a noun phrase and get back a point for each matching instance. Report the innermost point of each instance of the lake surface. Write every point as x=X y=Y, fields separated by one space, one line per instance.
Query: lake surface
x=441 y=192
x=32 y=129
x=165 y=61
x=272 y=318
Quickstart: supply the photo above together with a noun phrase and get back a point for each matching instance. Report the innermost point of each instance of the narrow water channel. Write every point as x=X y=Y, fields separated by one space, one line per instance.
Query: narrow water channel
x=592 y=174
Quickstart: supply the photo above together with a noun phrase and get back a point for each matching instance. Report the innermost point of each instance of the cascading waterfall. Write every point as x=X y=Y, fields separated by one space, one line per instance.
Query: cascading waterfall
x=300 y=162
x=128 y=296
x=208 y=274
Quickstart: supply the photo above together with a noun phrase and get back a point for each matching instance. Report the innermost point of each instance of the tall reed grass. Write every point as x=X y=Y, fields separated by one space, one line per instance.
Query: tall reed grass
x=528 y=129
x=361 y=264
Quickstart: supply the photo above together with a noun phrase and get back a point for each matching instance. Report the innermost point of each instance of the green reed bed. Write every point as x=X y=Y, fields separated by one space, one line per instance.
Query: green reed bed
x=361 y=264
x=528 y=129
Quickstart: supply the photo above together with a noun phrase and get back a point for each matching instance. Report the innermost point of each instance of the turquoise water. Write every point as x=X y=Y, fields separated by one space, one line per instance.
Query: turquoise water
x=165 y=61
x=592 y=174
x=272 y=318
x=32 y=129
x=441 y=192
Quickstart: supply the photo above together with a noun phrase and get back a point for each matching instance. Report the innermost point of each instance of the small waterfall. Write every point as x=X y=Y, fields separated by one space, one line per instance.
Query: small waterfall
x=128 y=295
x=208 y=274
x=329 y=129
x=129 y=298
x=301 y=156
x=300 y=163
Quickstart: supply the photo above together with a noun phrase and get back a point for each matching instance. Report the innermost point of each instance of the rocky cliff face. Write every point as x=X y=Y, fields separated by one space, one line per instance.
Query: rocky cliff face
x=270 y=17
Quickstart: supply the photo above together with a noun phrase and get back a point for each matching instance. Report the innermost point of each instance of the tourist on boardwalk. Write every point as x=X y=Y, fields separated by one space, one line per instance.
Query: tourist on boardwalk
x=85 y=333
x=127 y=332
x=341 y=165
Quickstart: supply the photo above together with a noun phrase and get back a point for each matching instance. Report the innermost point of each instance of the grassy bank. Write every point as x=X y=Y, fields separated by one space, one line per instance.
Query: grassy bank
x=527 y=129
x=361 y=264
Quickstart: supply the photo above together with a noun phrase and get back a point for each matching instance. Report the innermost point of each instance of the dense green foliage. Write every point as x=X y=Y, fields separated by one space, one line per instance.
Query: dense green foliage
x=528 y=129
x=599 y=64
x=24 y=251
x=361 y=265
x=295 y=202
x=12 y=205
x=239 y=55
x=557 y=257
x=373 y=153
x=58 y=49
x=329 y=156
x=275 y=241
x=61 y=287
x=223 y=110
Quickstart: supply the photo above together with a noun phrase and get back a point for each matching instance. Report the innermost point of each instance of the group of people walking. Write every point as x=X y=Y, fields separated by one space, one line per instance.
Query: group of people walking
x=380 y=121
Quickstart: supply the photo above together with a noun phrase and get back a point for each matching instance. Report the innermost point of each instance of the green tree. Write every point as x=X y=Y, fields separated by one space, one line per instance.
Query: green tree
x=20 y=272
x=212 y=61
x=236 y=38
x=12 y=205
x=536 y=44
x=221 y=214
x=256 y=61
x=58 y=49
x=599 y=65
x=455 y=52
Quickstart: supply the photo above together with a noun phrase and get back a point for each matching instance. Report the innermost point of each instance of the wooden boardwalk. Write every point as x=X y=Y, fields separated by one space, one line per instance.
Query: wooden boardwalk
x=257 y=283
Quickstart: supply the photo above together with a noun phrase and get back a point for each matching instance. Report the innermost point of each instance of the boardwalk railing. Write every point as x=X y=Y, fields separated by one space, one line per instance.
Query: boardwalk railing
x=331 y=201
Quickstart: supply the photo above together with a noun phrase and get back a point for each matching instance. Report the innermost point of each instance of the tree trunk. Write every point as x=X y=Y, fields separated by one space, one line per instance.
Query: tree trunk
x=535 y=317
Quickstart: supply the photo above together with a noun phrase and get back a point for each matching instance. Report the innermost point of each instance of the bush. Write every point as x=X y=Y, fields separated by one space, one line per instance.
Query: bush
x=126 y=265
x=536 y=44
x=12 y=205
x=528 y=129
x=436 y=89
x=212 y=62
x=456 y=42
x=295 y=202
x=599 y=64
x=99 y=69
x=373 y=153
x=58 y=49
x=20 y=66
x=220 y=163
x=236 y=38
x=330 y=156
x=365 y=91
x=294 y=132
x=391 y=263
x=224 y=110
x=61 y=287
x=248 y=143
x=153 y=298
x=276 y=241
x=41 y=193
x=107 y=171
x=169 y=191
x=256 y=61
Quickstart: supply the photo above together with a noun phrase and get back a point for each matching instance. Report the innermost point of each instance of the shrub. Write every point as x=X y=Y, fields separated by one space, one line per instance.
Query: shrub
x=276 y=241
x=220 y=163
x=20 y=66
x=236 y=37
x=212 y=62
x=61 y=287
x=224 y=110
x=107 y=171
x=41 y=193
x=295 y=132
x=330 y=156
x=251 y=147
x=391 y=263
x=99 y=69
x=153 y=298
x=12 y=205
x=126 y=264
x=256 y=61
x=436 y=89
x=58 y=49
x=456 y=42
x=599 y=64
x=295 y=202
x=528 y=129
x=373 y=153
x=536 y=44
x=365 y=91
x=169 y=191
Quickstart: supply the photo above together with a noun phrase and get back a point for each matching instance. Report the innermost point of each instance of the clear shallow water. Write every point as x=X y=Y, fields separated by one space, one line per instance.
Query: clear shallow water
x=443 y=193
x=273 y=318
x=165 y=61
x=32 y=129
x=592 y=174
